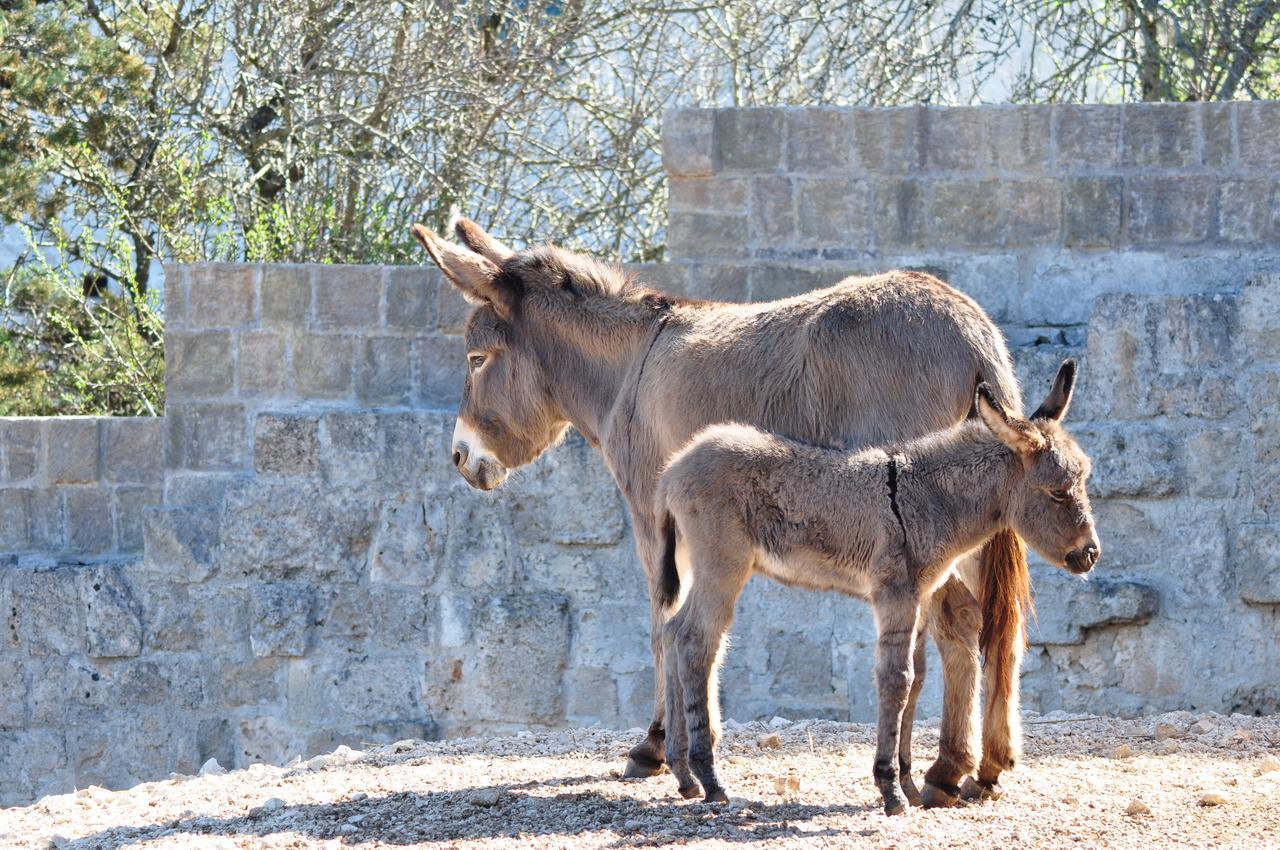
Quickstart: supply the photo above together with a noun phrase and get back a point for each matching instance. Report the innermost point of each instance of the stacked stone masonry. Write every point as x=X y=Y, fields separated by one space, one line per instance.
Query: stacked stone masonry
x=286 y=560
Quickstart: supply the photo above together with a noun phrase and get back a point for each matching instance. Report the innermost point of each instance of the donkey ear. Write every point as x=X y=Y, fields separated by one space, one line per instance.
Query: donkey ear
x=1059 y=399
x=478 y=279
x=1017 y=434
x=475 y=238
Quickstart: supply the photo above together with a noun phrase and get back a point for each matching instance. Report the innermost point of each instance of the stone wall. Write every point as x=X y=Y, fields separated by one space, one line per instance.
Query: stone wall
x=315 y=573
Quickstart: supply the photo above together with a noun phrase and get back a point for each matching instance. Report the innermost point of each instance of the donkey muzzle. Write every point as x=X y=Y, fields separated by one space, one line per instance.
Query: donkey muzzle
x=480 y=472
x=1082 y=560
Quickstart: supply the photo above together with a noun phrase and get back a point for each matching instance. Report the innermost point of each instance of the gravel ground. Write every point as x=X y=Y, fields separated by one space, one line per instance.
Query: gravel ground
x=1177 y=780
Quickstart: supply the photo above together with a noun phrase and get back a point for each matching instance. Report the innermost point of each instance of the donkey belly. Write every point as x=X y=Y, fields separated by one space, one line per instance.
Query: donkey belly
x=800 y=568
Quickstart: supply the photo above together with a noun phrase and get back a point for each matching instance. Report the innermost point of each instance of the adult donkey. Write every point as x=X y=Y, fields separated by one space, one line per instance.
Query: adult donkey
x=560 y=339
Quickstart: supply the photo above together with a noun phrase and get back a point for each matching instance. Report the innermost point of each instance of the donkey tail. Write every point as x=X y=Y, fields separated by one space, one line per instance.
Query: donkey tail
x=1005 y=591
x=669 y=588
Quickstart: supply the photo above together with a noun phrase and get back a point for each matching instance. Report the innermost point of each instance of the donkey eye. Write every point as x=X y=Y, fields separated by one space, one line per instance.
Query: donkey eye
x=1058 y=495
x=475 y=361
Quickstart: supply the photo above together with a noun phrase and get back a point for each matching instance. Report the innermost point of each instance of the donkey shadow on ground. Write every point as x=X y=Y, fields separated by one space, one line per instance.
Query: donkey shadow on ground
x=500 y=811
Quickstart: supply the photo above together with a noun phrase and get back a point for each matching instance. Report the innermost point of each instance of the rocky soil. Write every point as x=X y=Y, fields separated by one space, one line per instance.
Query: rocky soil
x=1177 y=780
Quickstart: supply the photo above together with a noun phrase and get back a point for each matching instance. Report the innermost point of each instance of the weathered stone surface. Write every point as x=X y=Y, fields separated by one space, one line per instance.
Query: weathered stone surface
x=1256 y=561
x=90 y=526
x=262 y=364
x=570 y=498
x=21 y=449
x=819 y=140
x=281 y=618
x=1032 y=212
x=1260 y=312
x=113 y=628
x=411 y=299
x=199 y=364
x=1067 y=606
x=1139 y=461
x=181 y=542
x=73 y=450
x=322 y=365
x=748 y=139
x=133 y=450
x=206 y=436
x=1218 y=124
x=351 y=447
x=834 y=212
x=441 y=371
x=899 y=213
x=222 y=295
x=954 y=139
x=1170 y=209
x=347 y=297
x=522 y=644
x=1160 y=134
x=408 y=542
x=688 y=142
x=286 y=445
x=1249 y=209
x=718 y=282
x=1017 y=138
x=888 y=141
x=701 y=235
x=385 y=371
x=1087 y=137
x=13 y=693
x=964 y=213
x=1091 y=211
x=773 y=210
x=286 y=295
x=708 y=194
x=45 y=611
x=1259 y=126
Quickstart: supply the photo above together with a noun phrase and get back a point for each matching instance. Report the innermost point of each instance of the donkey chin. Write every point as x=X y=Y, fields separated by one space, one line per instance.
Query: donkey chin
x=1080 y=561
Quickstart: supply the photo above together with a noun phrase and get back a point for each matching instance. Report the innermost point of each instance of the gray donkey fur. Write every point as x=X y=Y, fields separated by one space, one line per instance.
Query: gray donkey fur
x=882 y=525
x=559 y=339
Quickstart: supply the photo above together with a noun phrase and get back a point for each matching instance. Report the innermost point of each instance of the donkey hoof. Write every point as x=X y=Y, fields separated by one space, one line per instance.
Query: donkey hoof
x=642 y=767
x=716 y=795
x=895 y=807
x=979 y=790
x=940 y=798
x=910 y=791
x=690 y=791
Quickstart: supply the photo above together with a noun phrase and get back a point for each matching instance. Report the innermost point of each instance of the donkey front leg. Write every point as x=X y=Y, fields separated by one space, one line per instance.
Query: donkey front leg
x=908 y=723
x=647 y=757
x=897 y=622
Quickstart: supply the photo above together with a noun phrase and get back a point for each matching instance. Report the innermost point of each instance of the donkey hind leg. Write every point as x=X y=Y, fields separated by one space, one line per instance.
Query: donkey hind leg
x=647 y=757
x=701 y=628
x=897 y=621
x=955 y=620
x=677 y=734
x=908 y=722
x=1001 y=734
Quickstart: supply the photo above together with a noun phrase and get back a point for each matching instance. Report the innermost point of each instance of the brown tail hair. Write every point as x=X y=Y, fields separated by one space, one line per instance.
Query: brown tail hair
x=1006 y=604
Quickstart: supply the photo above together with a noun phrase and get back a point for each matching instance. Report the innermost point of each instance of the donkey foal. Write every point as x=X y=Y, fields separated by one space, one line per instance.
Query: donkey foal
x=885 y=526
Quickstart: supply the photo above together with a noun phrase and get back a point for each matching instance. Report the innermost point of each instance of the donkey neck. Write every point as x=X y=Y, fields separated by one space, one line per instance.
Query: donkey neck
x=591 y=354
x=954 y=489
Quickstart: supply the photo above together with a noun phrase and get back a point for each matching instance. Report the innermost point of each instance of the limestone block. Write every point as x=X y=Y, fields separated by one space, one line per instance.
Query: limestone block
x=1091 y=211
x=708 y=194
x=300 y=527
x=73 y=450
x=1152 y=539
x=964 y=213
x=286 y=295
x=41 y=757
x=22 y=449
x=1132 y=461
x=381 y=616
x=613 y=635
x=478 y=549
x=385 y=371
x=32 y=520
x=284 y=444
x=1214 y=469
x=954 y=138
x=112 y=626
x=773 y=210
x=322 y=365
x=90 y=525
x=1067 y=606
x=521 y=647
x=409 y=540
x=888 y=141
x=700 y=235
x=1260 y=312
x=591 y=696
x=265 y=740
x=819 y=140
x=199 y=364
x=569 y=497
x=251 y=682
x=1160 y=134
x=802 y=678
x=1249 y=209
x=411 y=298
x=13 y=693
x=46 y=612
x=1170 y=208
x=833 y=211
x=67 y=691
x=181 y=542
x=688 y=142
x=899 y=213
x=281 y=618
x=452 y=310
x=15 y=520
x=1259 y=127
x=350 y=447
x=415 y=446
x=1256 y=562
x=1017 y=137
x=263 y=371
x=133 y=450
x=1032 y=211
x=177 y=285
x=441 y=370
x=1086 y=137
x=748 y=139
x=206 y=436
x=222 y=295
x=1218 y=122
x=359 y=690
x=347 y=297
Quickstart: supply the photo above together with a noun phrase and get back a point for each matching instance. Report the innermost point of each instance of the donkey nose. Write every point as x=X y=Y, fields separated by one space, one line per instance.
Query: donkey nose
x=460 y=455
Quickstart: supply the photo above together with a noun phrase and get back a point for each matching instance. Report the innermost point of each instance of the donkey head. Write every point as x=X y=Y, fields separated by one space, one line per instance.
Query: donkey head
x=508 y=415
x=1048 y=507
